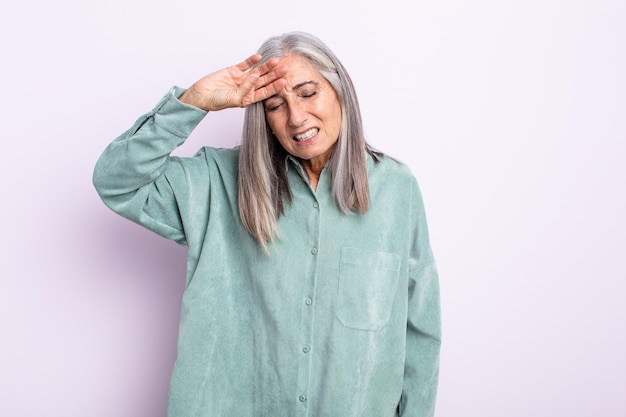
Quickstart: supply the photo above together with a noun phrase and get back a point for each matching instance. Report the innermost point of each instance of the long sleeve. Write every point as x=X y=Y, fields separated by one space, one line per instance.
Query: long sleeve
x=342 y=319
x=134 y=174
x=423 y=337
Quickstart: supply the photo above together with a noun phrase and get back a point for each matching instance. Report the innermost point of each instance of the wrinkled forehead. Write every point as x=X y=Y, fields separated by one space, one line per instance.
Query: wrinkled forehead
x=301 y=72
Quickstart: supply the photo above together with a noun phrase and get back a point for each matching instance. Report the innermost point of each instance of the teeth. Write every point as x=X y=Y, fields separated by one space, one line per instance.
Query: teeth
x=306 y=135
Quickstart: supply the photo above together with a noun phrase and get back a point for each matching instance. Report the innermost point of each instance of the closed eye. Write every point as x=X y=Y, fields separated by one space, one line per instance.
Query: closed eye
x=272 y=105
x=308 y=94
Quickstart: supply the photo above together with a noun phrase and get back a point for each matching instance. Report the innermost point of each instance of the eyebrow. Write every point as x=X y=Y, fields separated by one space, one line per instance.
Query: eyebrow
x=303 y=83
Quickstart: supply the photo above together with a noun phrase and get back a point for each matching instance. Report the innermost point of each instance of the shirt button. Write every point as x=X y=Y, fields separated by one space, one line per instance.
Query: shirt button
x=308 y=301
x=306 y=349
x=302 y=398
x=316 y=204
x=314 y=251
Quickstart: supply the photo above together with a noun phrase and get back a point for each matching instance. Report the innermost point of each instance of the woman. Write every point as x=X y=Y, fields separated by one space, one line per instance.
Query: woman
x=311 y=287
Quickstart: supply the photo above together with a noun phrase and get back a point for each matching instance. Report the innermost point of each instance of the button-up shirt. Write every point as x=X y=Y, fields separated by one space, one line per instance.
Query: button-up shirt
x=340 y=318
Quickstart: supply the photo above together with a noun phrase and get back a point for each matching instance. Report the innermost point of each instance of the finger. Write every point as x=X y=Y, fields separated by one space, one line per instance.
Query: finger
x=249 y=62
x=269 y=90
x=262 y=93
x=248 y=85
x=266 y=67
x=270 y=77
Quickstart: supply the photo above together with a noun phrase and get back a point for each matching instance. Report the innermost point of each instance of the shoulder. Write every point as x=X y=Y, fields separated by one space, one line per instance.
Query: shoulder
x=393 y=179
x=221 y=155
x=386 y=167
x=207 y=157
x=208 y=164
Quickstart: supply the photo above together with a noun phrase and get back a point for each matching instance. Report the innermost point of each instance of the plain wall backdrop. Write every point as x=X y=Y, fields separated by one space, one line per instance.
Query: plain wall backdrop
x=510 y=113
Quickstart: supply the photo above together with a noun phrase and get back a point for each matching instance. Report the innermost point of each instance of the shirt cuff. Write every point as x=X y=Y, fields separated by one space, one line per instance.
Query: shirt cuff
x=175 y=116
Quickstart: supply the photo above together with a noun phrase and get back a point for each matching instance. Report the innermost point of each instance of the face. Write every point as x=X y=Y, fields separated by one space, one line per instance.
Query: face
x=306 y=115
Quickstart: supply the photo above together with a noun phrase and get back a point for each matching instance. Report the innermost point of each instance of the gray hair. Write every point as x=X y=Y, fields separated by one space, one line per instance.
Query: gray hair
x=263 y=184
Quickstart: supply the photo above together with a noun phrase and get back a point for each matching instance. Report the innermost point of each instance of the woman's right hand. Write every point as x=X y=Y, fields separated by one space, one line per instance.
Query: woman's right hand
x=236 y=86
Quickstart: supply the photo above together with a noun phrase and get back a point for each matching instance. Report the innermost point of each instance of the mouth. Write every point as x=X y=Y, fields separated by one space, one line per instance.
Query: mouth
x=306 y=135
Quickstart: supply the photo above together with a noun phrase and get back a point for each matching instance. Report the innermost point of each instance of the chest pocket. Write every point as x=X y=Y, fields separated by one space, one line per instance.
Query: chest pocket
x=367 y=286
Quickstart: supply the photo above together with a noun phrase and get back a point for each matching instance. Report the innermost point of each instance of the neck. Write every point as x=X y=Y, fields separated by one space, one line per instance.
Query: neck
x=313 y=171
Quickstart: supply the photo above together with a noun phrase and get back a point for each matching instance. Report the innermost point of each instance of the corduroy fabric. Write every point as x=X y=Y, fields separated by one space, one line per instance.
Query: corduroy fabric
x=340 y=319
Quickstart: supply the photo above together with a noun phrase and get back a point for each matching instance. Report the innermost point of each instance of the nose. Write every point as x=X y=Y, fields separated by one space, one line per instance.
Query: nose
x=297 y=114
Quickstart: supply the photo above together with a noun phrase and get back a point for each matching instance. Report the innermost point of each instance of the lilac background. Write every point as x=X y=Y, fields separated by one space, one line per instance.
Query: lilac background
x=510 y=113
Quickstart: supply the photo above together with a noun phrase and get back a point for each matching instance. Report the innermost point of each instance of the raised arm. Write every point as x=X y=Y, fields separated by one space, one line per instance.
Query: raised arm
x=136 y=177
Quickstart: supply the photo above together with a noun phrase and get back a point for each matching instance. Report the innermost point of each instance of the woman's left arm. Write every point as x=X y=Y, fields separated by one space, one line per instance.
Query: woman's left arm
x=423 y=338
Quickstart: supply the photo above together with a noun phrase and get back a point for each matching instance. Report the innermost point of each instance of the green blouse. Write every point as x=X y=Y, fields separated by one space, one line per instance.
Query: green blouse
x=340 y=319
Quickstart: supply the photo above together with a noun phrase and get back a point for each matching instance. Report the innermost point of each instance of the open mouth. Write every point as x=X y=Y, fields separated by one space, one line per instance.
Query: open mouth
x=306 y=135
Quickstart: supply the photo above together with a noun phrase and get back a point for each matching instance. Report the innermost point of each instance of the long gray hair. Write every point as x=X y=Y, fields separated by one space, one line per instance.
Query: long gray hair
x=263 y=183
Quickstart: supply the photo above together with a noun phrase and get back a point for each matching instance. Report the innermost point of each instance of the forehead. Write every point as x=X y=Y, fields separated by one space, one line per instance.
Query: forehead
x=300 y=70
